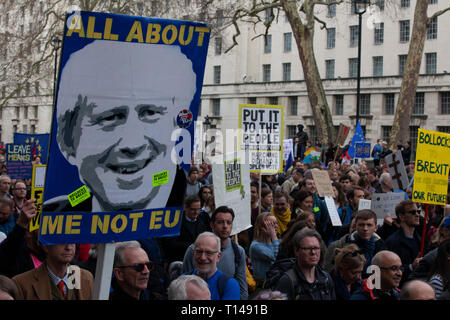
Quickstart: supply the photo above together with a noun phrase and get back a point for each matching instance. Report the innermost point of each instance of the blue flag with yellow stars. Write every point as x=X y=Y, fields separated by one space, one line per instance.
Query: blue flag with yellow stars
x=357 y=137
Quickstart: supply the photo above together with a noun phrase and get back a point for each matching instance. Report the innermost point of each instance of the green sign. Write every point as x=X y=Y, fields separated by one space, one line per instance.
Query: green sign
x=79 y=196
x=160 y=178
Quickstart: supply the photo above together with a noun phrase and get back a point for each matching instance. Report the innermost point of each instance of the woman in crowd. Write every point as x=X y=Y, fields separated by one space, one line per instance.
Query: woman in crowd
x=304 y=201
x=440 y=271
x=264 y=247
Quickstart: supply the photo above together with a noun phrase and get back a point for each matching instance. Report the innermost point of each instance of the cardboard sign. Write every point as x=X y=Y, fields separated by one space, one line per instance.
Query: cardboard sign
x=431 y=168
x=394 y=162
x=323 y=183
x=384 y=203
x=342 y=134
x=261 y=132
x=231 y=176
x=37 y=192
x=364 y=204
x=332 y=210
x=288 y=148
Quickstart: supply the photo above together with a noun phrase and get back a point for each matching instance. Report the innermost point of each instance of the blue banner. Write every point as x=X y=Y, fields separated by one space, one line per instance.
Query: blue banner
x=127 y=98
x=38 y=142
x=362 y=150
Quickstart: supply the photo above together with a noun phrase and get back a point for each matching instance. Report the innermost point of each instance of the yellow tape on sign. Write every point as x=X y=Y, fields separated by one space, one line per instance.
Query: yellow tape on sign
x=79 y=196
x=160 y=178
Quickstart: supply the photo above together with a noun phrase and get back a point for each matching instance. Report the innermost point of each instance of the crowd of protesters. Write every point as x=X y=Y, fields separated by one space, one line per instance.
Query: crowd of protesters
x=291 y=252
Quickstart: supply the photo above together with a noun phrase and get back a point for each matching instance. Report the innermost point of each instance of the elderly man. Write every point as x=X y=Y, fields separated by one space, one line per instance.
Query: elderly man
x=390 y=275
x=417 y=290
x=131 y=271
x=5 y=185
x=188 y=287
x=206 y=256
x=117 y=107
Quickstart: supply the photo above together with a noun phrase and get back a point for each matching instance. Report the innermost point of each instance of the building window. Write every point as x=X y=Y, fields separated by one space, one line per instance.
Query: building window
x=218 y=46
x=329 y=69
x=331 y=12
x=25 y=128
x=17 y=112
x=36 y=87
x=354 y=36
x=216 y=74
x=364 y=104
x=36 y=109
x=413 y=131
x=433 y=1
x=338 y=104
x=268 y=15
x=216 y=107
x=293 y=105
x=444 y=129
x=273 y=101
x=286 y=72
x=33 y=129
x=219 y=14
x=266 y=72
x=404 y=31
x=389 y=103
x=291 y=131
x=379 y=33
x=268 y=44
x=380 y=4
x=385 y=132
x=331 y=38
x=353 y=67
x=404 y=3
x=419 y=105
x=377 y=66
x=252 y=100
x=430 y=63
x=287 y=37
x=445 y=102
x=25 y=112
x=432 y=29
x=401 y=63
x=312 y=134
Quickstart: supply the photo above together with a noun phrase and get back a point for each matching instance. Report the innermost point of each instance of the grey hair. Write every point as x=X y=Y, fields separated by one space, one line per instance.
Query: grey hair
x=305 y=233
x=177 y=288
x=119 y=259
x=385 y=177
x=209 y=234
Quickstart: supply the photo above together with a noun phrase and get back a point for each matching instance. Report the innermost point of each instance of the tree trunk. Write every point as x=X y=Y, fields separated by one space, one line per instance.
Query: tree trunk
x=400 y=128
x=304 y=37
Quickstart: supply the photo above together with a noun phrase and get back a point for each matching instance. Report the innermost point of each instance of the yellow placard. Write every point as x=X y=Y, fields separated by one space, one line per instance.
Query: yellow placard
x=37 y=192
x=160 y=178
x=431 y=167
x=79 y=196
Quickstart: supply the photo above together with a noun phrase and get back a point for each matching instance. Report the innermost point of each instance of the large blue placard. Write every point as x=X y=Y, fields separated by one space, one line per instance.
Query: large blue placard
x=127 y=98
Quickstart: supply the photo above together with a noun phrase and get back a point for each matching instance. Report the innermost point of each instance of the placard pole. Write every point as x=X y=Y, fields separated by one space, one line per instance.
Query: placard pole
x=103 y=272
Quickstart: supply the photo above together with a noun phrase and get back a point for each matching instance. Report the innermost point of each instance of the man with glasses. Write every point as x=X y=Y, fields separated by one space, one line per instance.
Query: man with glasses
x=390 y=275
x=306 y=280
x=233 y=258
x=131 y=272
x=19 y=193
x=406 y=241
x=207 y=254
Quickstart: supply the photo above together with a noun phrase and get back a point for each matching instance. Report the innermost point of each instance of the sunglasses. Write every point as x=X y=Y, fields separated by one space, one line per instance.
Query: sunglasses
x=354 y=253
x=139 y=267
x=413 y=211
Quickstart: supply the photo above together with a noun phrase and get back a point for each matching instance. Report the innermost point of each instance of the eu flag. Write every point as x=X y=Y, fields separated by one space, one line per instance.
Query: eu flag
x=39 y=143
x=357 y=137
x=289 y=162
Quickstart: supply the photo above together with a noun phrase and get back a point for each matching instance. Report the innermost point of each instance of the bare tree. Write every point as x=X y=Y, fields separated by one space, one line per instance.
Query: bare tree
x=400 y=127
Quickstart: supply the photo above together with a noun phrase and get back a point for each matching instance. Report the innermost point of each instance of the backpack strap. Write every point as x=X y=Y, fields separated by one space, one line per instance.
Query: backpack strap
x=294 y=279
x=237 y=257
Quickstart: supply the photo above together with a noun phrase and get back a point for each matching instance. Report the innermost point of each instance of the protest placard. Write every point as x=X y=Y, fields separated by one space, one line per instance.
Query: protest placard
x=261 y=128
x=134 y=86
x=362 y=150
x=332 y=211
x=323 y=183
x=18 y=161
x=431 y=168
x=364 y=204
x=37 y=192
x=394 y=162
x=231 y=176
x=288 y=148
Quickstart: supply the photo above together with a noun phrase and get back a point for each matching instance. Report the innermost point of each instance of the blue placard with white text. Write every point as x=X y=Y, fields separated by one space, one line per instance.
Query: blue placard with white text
x=362 y=150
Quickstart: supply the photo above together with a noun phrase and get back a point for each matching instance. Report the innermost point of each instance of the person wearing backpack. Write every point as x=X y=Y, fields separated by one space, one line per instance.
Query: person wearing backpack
x=306 y=280
x=206 y=256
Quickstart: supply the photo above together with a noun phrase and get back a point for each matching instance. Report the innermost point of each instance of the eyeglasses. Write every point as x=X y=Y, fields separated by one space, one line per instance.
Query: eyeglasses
x=311 y=249
x=139 y=267
x=354 y=253
x=393 y=268
x=413 y=211
x=209 y=254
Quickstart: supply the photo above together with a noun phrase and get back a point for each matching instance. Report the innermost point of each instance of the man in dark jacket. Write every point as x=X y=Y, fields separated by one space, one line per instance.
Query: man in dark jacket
x=302 y=138
x=191 y=227
x=406 y=242
x=306 y=280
